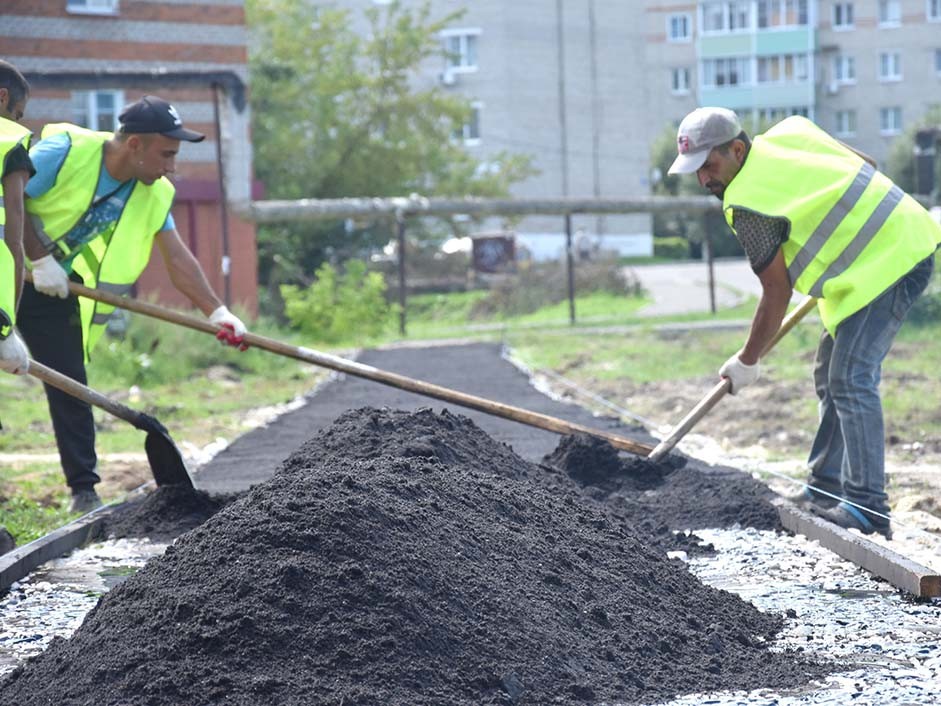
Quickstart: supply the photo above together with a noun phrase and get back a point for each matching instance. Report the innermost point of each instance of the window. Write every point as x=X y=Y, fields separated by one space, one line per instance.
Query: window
x=789 y=68
x=933 y=11
x=726 y=72
x=843 y=15
x=773 y=115
x=460 y=46
x=469 y=132
x=679 y=83
x=782 y=13
x=679 y=28
x=733 y=16
x=845 y=123
x=97 y=110
x=93 y=7
x=890 y=13
x=713 y=17
x=890 y=66
x=844 y=69
x=890 y=120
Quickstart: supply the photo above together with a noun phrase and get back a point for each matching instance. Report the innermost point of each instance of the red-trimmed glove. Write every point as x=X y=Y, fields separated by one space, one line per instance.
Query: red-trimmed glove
x=231 y=329
x=14 y=358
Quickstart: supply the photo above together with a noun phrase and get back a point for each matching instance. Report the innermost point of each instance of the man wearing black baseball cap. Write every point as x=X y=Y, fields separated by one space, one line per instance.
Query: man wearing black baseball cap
x=97 y=204
x=154 y=115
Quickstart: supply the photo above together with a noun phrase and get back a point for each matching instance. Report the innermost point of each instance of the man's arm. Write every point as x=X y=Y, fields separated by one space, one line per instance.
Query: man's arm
x=776 y=291
x=188 y=278
x=185 y=272
x=13 y=186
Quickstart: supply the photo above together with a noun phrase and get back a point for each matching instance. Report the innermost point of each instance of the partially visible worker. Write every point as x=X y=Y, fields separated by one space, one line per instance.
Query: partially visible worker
x=97 y=204
x=16 y=171
x=814 y=215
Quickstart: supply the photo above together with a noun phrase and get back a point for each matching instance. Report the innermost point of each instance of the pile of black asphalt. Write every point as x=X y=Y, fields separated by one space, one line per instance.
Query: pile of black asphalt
x=402 y=557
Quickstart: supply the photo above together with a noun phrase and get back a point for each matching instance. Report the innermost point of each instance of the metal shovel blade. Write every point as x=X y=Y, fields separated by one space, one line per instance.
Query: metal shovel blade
x=166 y=463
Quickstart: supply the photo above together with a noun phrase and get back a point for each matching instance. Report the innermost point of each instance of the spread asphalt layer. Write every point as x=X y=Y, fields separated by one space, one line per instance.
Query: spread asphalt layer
x=476 y=369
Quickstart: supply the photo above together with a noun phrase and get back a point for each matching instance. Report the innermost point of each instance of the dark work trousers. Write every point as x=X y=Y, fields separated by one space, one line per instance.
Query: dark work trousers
x=52 y=329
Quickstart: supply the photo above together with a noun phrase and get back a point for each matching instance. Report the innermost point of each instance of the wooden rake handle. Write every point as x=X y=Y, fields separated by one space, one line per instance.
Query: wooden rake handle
x=332 y=362
x=724 y=385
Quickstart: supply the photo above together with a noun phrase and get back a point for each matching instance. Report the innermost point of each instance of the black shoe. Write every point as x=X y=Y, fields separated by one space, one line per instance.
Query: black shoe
x=84 y=501
x=850 y=517
x=808 y=499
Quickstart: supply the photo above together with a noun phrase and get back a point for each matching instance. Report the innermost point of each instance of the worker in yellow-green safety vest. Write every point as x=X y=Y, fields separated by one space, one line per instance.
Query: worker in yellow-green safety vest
x=17 y=169
x=96 y=206
x=816 y=216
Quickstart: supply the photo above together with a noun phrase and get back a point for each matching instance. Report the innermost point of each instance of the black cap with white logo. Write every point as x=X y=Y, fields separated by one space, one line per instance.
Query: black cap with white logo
x=154 y=115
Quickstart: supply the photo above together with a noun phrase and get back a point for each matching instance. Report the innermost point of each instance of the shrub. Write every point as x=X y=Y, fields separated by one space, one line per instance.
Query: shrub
x=346 y=305
x=672 y=248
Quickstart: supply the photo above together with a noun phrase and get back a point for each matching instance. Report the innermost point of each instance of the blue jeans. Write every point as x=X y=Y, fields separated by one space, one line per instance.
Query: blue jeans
x=848 y=454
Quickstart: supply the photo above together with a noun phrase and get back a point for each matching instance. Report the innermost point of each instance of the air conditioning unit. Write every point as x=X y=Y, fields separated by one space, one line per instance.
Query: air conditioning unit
x=833 y=88
x=447 y=78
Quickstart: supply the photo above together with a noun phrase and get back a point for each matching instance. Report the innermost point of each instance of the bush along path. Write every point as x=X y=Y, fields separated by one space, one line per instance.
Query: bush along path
x=409 y=558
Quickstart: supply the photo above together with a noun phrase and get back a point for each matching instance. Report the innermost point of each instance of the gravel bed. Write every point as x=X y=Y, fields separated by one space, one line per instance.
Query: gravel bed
x=835 y=610
x=54 y=599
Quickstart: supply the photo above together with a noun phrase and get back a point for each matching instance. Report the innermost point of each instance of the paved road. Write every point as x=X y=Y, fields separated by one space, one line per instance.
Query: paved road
x=683 y=288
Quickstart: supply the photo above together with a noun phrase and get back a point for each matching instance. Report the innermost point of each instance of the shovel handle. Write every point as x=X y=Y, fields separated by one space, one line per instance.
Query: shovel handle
x=723 y=386
x=80 y=391
x=332 y=362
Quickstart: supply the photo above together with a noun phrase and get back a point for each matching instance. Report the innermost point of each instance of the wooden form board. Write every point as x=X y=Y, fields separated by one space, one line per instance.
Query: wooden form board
x=883 y=562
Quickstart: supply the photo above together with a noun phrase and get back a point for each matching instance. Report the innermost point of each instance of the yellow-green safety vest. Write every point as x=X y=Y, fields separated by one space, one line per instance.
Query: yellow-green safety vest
x=852 y=232
x=112 y=263
x=11 y=135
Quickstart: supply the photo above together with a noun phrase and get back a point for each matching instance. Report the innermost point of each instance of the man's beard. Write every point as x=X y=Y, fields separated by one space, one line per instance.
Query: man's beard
x=718 y=192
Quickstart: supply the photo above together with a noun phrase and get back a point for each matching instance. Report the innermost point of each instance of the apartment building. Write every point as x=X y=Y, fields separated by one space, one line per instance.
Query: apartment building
x=863 y=70
x=86 y=59
x=563 y=81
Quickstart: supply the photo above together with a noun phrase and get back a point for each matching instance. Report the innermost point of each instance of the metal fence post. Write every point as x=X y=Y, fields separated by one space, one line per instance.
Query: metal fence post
x=400 y=233
x=570 y=267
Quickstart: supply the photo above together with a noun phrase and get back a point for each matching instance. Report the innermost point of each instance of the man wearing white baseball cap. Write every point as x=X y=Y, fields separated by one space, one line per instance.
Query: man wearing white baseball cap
x=813 y=214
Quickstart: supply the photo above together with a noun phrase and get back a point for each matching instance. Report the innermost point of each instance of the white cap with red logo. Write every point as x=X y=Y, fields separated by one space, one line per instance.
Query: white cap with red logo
x=699 y=132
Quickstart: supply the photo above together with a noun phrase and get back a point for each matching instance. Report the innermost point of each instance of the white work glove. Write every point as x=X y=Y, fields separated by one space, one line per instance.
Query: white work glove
x=739 y=374
x=231 y=328
x=49 y=277
x=14 y=358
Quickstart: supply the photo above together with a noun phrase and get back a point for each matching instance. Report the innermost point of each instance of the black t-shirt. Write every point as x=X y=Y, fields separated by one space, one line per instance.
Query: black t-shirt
x=17 y=160
x=760 y=236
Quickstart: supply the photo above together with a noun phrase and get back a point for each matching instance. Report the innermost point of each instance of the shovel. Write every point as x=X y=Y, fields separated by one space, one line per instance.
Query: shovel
x=332 y=362
x=166 y=463
x=723 y=386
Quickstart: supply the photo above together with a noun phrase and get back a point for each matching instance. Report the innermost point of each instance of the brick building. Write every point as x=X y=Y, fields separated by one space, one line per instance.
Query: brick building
x=86 y=59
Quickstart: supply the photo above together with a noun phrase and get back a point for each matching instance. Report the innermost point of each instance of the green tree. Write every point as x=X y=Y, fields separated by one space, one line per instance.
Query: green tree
x=900 y=165
x=339 y=113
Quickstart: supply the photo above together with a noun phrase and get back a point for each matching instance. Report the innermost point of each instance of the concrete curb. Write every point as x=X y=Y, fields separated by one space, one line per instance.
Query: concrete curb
x=18 y=563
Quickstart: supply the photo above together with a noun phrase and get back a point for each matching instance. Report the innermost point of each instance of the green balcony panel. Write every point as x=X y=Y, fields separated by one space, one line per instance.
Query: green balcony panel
x=784 y=42
x=726 y=45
